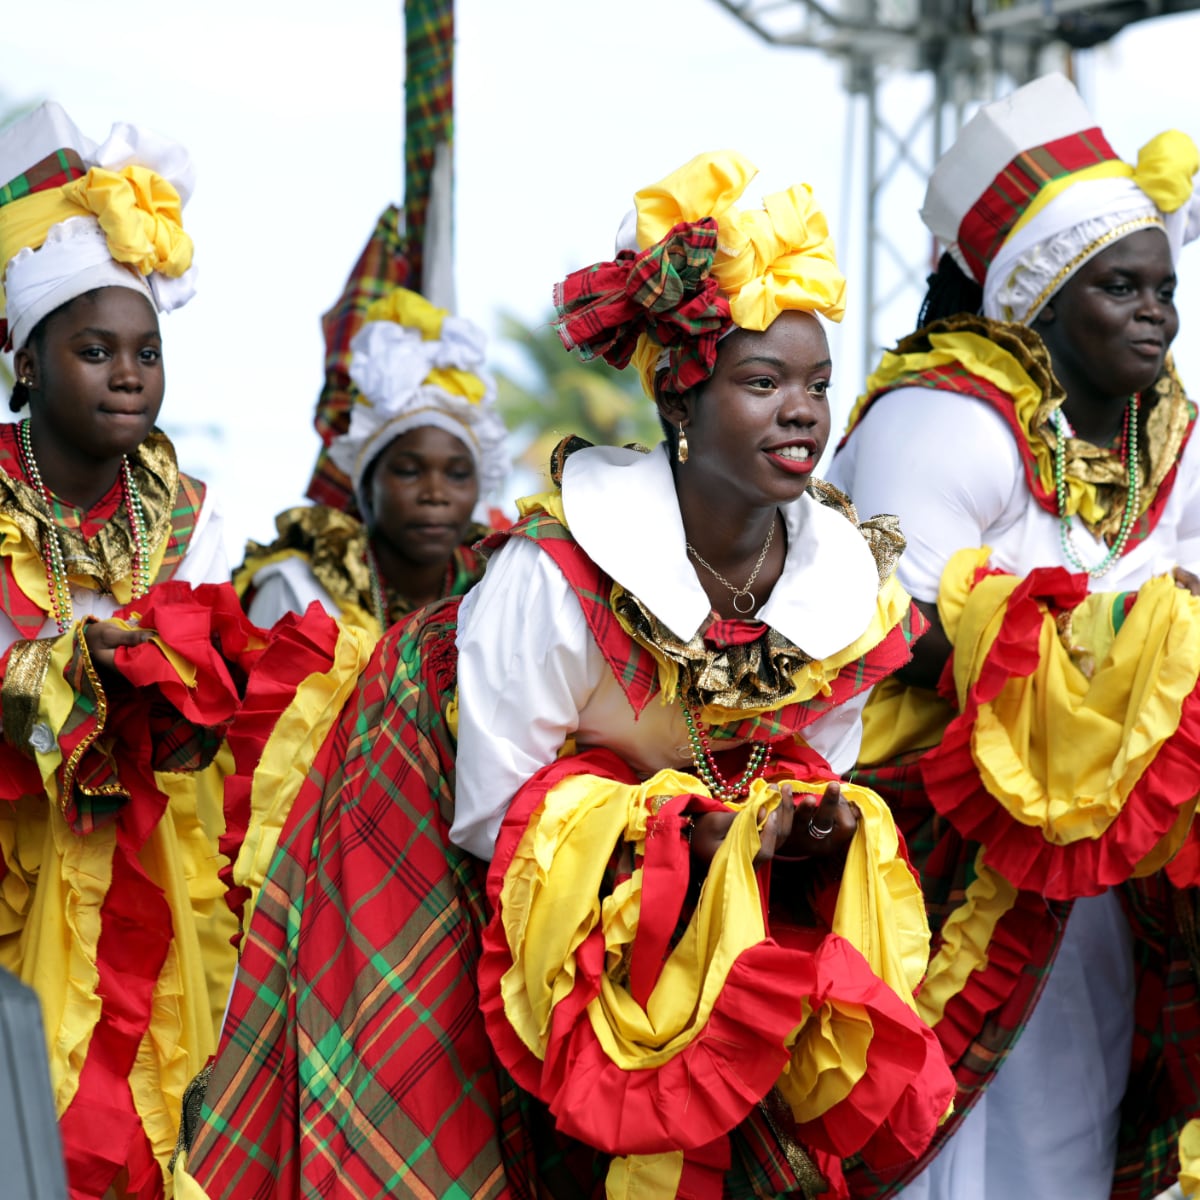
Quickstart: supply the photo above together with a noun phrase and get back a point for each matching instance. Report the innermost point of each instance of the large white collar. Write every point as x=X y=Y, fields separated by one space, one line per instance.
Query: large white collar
x=621 y=507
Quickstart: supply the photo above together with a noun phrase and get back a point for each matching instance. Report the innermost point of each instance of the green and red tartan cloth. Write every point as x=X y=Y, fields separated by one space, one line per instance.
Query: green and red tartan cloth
x=354 y=1058
x=990 y=219
x=666 y=291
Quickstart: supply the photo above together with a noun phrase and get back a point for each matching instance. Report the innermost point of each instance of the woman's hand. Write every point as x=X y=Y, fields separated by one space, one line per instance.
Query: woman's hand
x=103 y=638
x=710 y=829
x=1186 y=580
x=823 y=827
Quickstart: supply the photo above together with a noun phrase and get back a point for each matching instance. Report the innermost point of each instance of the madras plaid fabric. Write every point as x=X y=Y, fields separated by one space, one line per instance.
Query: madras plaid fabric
x=188 y=502
x=382 y=266
x=428 y=108
x=981 y=1025
x=354 y=1059
x=53 y=171
x=1164 y=1082
x=991 y=218
x=666 y=292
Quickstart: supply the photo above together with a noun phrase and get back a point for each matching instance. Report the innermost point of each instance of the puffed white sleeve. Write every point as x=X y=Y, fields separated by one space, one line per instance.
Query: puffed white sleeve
x=527 y=664
x=286 y=586
x=1187 y=480
x=947 y=465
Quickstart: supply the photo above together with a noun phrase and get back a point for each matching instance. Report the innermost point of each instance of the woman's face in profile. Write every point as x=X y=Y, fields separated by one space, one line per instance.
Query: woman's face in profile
x=761 y=422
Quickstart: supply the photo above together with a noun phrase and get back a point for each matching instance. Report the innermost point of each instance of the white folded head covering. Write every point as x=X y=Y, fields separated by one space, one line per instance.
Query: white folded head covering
x=416 y=365
x=1031 y=190
x=75 y=216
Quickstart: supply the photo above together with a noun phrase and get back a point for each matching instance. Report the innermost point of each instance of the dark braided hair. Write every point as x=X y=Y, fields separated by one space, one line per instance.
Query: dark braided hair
x=951 y=292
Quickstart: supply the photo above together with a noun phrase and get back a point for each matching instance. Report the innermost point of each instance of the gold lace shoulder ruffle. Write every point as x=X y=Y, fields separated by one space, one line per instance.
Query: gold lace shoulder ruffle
x=1162 y=424
x=757 y=675
x=107 y=557
x=333 y=543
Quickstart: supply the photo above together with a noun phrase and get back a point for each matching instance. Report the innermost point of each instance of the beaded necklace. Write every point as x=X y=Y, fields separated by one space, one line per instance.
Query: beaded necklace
x=1062 y=432
x=706 y=766
x=379 y=600
x=57 y=581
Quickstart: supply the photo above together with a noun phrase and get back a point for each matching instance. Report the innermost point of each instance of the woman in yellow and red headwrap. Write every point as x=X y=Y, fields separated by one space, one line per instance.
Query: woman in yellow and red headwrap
x=117 y=631
x=689 y=968
x=1042 y=753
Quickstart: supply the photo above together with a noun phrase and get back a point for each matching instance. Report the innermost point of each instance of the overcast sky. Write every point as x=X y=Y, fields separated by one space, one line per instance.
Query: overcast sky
x=563 y=111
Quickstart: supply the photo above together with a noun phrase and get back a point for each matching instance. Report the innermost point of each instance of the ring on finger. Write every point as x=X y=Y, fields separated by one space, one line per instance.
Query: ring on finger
x=818 y=832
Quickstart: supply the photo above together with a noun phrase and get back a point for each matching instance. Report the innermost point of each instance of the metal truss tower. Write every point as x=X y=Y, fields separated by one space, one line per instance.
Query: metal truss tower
x=914 y=70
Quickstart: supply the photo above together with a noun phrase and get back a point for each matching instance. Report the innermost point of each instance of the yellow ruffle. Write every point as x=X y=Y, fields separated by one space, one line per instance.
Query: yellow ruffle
x=289 y=753
x=51 y=925
x=1189 y=1159
x=1116 y=720
x=966 y=935
x=550 y=905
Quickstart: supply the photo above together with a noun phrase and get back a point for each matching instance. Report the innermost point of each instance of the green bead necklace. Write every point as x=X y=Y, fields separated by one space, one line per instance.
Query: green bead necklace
x=706 y=767
x=1132 y=489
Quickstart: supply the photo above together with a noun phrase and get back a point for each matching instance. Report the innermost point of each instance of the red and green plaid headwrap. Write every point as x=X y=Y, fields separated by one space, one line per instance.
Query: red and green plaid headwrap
x=666 y=291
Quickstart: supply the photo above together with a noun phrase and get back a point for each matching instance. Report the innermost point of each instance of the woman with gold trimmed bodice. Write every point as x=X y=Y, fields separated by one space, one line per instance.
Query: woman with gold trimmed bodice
x=689 y=967
x=1041 y=752
x=423 y=445
x=127 y=777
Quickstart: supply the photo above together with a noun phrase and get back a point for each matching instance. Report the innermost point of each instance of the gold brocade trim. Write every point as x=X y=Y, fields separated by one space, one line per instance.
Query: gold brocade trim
x=99 y=562
x=760 y=674
x=1162 y=421
x=778 y=1116
x=334 y=544
x=1089 y=251
x=100 y=701
x=22 y=689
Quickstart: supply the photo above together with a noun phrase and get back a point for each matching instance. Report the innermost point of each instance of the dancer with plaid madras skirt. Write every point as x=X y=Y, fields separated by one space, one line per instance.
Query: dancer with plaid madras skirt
x=1042 y=753
x=689 y=967
x=424 y=443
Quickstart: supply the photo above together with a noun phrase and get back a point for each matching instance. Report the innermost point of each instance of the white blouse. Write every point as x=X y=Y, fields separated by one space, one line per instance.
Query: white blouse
x=530 y=675
x=949 y=467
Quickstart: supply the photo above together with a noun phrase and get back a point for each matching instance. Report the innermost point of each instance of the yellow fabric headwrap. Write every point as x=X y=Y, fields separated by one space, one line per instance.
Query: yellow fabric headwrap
x=777 y=258
x=140 y=212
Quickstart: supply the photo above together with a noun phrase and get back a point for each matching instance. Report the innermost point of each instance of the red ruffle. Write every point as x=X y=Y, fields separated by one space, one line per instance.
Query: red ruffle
x=298 y=646
x=740 y=1054
x=1020 y=853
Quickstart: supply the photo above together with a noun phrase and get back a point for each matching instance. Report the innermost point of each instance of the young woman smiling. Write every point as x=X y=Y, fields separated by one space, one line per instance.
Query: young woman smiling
x=648 y=698
x=423 y=444
x=1041 y=753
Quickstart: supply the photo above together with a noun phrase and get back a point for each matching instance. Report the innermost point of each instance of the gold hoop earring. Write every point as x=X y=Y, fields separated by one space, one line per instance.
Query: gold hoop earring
x=681 y=452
